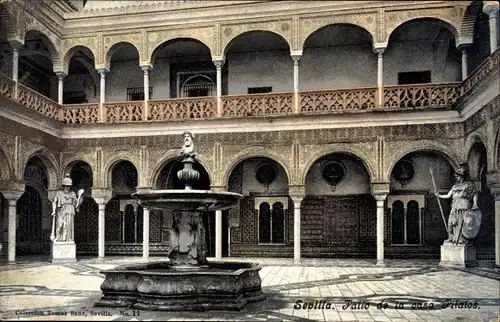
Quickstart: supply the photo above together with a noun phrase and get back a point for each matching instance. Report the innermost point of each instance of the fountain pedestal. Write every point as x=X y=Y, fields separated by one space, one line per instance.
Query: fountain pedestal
x=188 y=281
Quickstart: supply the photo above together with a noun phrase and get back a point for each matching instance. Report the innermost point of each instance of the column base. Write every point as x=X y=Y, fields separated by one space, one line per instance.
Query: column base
x=460 y=256
x=380 y=263
x=63 y=252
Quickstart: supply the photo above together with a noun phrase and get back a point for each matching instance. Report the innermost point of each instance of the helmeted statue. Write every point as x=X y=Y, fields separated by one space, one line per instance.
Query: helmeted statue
x=64 y=208
x=465 y=217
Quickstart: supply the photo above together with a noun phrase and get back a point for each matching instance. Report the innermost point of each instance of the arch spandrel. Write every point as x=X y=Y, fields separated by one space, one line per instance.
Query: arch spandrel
x=254 y=152
x=308 y=26
x=71 y=46
x=403 y=148
x=451 y=17
x=51 y=40
x=113 y=42
x=155 y=39
x=477 y=136
x=83 y=157
x=113 y=160
x=49 y=161
x=364 y=155
x=230 y=32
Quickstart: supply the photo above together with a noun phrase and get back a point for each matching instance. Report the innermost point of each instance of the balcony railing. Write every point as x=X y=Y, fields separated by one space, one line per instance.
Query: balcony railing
x=338 y=101
x=421 y=96
x=182 y=109
x=272 y=104
x=80 y=113
x=401 y=97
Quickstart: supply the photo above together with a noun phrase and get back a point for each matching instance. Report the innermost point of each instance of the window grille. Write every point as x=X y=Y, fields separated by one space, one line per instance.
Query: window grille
x=137 y=93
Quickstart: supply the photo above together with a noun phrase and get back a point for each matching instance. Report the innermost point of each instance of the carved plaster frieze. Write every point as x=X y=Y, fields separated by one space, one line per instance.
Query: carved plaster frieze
x=111 y=42
x=230 y=31
x=70 y=46
x=451 y=15
x=365 y=20
x=158 y=37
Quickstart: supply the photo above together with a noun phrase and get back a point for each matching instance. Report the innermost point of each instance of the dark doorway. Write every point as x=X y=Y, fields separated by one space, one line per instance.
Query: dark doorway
x=29 y=231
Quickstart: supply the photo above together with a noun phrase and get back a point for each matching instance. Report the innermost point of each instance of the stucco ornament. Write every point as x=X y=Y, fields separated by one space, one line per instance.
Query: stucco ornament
x=64 y=208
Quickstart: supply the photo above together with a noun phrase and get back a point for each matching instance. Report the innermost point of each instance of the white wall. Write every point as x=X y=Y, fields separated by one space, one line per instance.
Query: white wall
x=337 y=67
x=356 y=180
x=259 y=69
x=419 y=56
x=250 y=183
x=422 y=162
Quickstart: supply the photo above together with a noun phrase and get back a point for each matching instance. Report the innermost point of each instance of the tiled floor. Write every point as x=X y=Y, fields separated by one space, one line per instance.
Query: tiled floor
x=34 y=289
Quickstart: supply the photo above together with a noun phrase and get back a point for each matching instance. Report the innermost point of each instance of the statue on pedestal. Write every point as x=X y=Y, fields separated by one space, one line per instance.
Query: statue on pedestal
x=465 y=218
x=64 y=207
x=188 y=147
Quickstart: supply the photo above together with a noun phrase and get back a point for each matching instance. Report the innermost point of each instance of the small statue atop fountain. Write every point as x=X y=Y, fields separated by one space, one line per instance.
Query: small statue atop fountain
x=64 y=207
x=188 y=147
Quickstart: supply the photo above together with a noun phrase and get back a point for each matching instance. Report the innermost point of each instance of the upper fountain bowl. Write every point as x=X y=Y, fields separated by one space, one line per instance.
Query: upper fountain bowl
x=187 y=200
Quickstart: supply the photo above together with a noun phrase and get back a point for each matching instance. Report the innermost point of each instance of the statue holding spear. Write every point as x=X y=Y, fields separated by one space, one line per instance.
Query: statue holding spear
x=465 y=218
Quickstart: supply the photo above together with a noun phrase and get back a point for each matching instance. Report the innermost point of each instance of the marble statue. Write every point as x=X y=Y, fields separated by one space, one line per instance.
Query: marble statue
x=465 y=218
x=64 y=207
x=188 y=147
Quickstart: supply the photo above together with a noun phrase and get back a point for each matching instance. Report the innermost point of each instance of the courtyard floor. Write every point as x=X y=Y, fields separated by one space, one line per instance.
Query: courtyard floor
x=402 y=290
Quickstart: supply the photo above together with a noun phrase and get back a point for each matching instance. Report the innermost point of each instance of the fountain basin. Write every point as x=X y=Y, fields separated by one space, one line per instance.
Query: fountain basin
x=187 y=200
x=165 y=287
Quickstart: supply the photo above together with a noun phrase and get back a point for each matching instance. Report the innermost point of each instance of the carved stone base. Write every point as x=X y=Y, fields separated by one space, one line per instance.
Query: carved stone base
x=160 y=286
x=458 y=255
x=63 y=252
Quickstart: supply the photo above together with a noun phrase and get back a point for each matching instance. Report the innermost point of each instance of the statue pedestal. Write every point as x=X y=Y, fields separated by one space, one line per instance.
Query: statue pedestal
x=458 y=255
x=63 y=252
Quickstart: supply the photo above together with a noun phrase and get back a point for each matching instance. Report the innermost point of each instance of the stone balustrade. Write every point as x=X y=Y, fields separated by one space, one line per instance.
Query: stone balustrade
x=395 y=97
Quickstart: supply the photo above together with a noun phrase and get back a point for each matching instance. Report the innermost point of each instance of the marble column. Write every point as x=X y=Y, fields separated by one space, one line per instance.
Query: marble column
x=380 y=75
x=380 y=226
x=296 y=59
x=145 y=233
x=12 y=197
x=146 y=70
x=465 y=71
x=60 y=87
x=491 y=9
x=297 y=200
x=15 y=69
x=102 y=92
x=218 y=234
x=218 y=67
x=102 y=229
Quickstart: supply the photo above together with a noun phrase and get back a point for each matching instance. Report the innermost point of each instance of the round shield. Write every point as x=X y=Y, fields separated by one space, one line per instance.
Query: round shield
x=472 y=222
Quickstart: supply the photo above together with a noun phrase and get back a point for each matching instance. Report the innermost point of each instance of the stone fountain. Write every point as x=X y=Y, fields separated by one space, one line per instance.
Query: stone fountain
x=188 y=282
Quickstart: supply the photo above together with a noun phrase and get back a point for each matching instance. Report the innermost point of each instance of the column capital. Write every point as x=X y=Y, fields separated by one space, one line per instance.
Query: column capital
x=218 y=63
x=380 y=188
x=379 y=48
x=146 y=68
x=379 y=197
x=102 y=195
x=297 y=199
x=102 y=71
x=15 y=43
x=297 y=190
x=463 y=46
x=60 y=75
x=296 y=58
x=491 y=8
x=12 y=196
